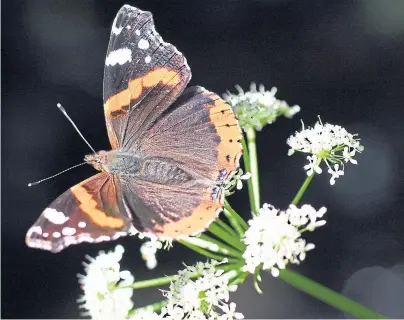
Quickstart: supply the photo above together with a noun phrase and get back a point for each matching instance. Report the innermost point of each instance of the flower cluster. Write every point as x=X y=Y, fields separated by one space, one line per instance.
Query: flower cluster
x=326 y=142
x=148 y=250
x=256 y=108
x=206 y=297
x=236 y=181
x=106 y=293
x=274 y=237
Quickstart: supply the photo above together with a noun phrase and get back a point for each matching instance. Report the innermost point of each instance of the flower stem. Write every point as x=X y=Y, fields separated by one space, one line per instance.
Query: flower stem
x=226 y=227
x=304 y=186
x=247 y=167
x=252 y=150
x=235 y=219
x=302 y=189
x=328 y=296
x=201 y=251
x=224 y=249
x=155 y=307
x=233 y=241
x=154 y=282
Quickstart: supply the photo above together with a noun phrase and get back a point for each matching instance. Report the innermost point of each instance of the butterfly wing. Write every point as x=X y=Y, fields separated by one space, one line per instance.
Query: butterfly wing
x=143 y=75
x=200 y=135
x=87 y=212
x=171 y=211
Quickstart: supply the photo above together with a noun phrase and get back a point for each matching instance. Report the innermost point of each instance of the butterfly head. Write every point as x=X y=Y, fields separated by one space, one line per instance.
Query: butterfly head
x=97 y=160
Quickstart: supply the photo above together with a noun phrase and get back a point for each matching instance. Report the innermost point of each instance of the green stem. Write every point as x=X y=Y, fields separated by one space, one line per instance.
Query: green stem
x=223 y=248
x=154 y=282
x=328 y=296
x=252 y=150
x=201 y=251
x=233 y=241
x=247 y=167
x=226 y=227
x=155 y=307
x=235 y=219
x=302 y=189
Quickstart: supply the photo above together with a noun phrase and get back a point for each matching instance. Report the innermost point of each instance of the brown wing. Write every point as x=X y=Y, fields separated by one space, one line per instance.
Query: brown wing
x=171 y=211
x=87 y=212
x=199 y=132
x=200 y=135
x=143 y=75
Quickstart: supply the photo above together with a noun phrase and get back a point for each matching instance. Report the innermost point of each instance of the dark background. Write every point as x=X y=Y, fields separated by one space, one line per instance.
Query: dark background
x=342 y=60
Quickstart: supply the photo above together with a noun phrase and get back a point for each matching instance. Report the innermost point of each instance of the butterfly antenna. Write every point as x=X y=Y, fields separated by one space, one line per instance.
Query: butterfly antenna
x=74 y=125
x=31 y=184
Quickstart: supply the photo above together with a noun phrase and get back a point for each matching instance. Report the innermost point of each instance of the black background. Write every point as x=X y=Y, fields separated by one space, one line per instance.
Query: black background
x=342 y=60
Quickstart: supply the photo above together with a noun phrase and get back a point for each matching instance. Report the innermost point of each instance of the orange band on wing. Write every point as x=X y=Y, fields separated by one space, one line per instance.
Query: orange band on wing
x=113 y=107
x=89 y=206
x=199 y=220
x=226 y=125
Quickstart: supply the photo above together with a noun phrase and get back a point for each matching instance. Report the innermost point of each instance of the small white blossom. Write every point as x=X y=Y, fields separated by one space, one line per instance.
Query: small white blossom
x=236 y=181
x=146 y=314
x=148 y=251
x=256 y=108
x=104 y=296
x=313 y=165
x=335 y=173
x=325 y=142
x=200 y=298
x=274 y=237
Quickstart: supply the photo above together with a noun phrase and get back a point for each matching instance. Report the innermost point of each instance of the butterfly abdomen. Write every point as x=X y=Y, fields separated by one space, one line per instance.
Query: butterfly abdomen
x=163 y=172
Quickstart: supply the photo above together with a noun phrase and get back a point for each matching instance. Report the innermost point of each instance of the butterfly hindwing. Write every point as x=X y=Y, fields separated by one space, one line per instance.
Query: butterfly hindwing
x=87 y=212
x=171 y=211
x=200 y=133
x=143 y=75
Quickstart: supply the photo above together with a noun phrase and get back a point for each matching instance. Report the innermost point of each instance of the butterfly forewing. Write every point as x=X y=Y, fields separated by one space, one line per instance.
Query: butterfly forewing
x=143 y=75
x=87 y=212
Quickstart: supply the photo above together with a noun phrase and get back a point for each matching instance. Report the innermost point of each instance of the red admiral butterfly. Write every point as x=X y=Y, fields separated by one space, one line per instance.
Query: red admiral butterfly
x=171 y=149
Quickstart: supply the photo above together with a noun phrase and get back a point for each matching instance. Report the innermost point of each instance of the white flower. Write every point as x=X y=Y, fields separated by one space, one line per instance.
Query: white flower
x=329 y=143
x=104 y=296
x=274 y=237
x=201 y=298
x=313 y=165
x=236 y=180
x=230 y=312
x=254 y=109
x=148 y=251
x=335 y=173
x=146 y=314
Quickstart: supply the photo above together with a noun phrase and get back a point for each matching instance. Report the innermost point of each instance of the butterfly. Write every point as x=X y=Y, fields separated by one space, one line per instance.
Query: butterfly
x=172 y=149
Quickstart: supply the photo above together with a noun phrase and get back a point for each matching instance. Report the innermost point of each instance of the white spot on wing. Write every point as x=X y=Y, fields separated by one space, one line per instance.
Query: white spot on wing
x=45 y=234
x=128 y=27
x=66 y=231
x=120 y=56
x=34 y=229
x=143 y=44
x=147 y=59
x=137 y=32
x=116 y=30
x=56 y=234
x=54 y=216
x=82 y=224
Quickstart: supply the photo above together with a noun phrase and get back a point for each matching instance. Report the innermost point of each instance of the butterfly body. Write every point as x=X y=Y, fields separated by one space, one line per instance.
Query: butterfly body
x=172 y=149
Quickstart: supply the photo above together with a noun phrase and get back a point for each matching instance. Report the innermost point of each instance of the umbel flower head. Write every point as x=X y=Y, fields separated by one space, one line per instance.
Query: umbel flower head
x=103 y=284
x=256 y=108
x=274 y=237
x=206 y=297
x=235 y=181
x=325 y=142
